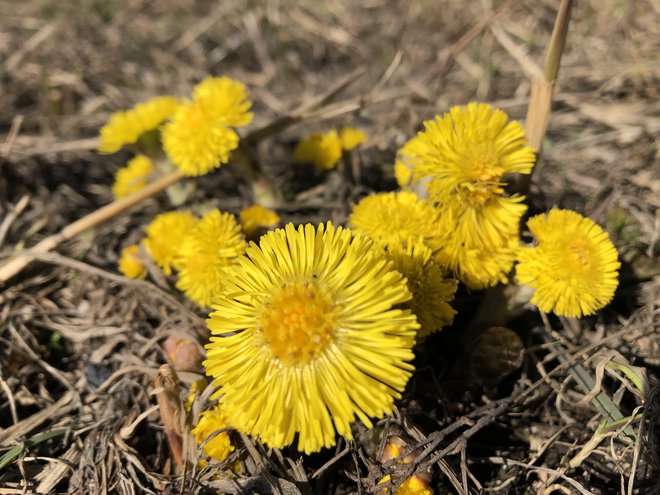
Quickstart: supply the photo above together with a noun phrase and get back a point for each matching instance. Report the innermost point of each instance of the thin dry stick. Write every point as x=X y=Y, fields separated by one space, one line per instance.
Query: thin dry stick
x=93 y=219
x=540 y=103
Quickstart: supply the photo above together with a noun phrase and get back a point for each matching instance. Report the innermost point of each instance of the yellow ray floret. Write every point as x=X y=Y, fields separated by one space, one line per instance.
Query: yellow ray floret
x=219 y=446
x=133 y=177
x=165 y=234
x=200 y=138
x=126 y=127
x=426 y=281
x=323 y=150
x=256 y=217
x=573 y=269
x=209 y=248
x=395 y=217
x=307 y=337
x=131 y=264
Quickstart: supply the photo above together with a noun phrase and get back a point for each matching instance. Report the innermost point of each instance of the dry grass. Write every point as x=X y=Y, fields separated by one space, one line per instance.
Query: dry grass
x=79 y=345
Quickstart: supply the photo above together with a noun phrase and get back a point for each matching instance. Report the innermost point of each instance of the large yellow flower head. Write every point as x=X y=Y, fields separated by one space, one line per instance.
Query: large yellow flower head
x=394 y=217
x=200 y=138
x=131 y=264
x=209 y=248
x=133 y=177
x=466 y=153
x=307 y=336
x=126 y=127
x=218 y=447
x=426 y=281
x=323 y=150
x=573 y=269
x=165 y=235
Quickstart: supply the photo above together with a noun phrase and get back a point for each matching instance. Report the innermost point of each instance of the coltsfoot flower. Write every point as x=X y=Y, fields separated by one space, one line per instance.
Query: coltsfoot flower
x=465 y=154
x=573 y=268
x=430 y=289
x=131 y=264
x=126 y=127
x=207 y=251
x=395 y=218
x=351 y=138
x=256 y=217
x=219 y=447
x=323 y=150
x=307 y=337
x=133 y=177
x=165 y=234
x=199 y=138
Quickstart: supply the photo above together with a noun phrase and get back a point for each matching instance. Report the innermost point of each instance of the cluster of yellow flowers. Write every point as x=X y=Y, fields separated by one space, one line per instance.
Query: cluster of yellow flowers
x=313 y=327
x=197 y=135
x=199 y=250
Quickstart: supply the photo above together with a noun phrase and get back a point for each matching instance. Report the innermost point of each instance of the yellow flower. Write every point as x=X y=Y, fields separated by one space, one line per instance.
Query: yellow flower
x=219 y=447
x=412 y=485
x=199 y=138
x=208 y=249
x=477 y=267
x=133 y=177
x=430 y=289
x=417 y=484
x=574 y=267
x=307 y=337
x=126 y=127
x=321 y=150
x=351 y=138
x=466 y=153
x=394 y=218
x=131 y=264
x=165 y=235
x=255 y=217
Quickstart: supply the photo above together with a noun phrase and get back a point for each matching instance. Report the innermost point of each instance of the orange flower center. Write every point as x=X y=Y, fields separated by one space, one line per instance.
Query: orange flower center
x=298 y=323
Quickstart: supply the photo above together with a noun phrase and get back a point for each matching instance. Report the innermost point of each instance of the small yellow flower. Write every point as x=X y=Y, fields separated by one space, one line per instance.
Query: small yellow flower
x=165 y=234
x=207 y=251
x=573 y=269
x=219 y=447
x=466 y=153
x=307 y=336
x=417 y=484
x=131 y=264
x=323 y=150
x=133 y=177
x=351 y=138
x=395 y=217
x=430 y=289
x=126 y=127
x=199 y=138
x=477 y=267
x=412 y=485
x=256 y=217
